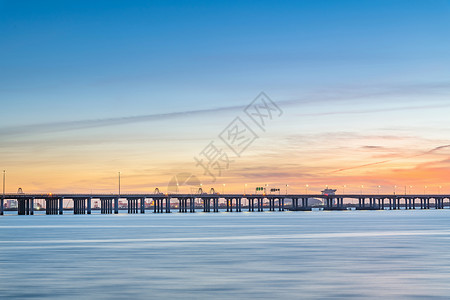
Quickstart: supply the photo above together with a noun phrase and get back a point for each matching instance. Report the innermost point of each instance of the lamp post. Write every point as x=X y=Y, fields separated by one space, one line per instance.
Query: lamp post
x=440 y=190
x=343 y=189
x=119 y=184
x=395 y=189
x=245 y=188
x=379 y=187
x=223 y=188
x=4 y=177
x=424 y=190
x=287 y=189
x=362 y=187
x=306 y=186
x=410 y=187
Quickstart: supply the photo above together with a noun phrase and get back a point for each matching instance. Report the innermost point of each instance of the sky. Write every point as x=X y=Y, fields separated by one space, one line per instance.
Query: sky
x=150 y=88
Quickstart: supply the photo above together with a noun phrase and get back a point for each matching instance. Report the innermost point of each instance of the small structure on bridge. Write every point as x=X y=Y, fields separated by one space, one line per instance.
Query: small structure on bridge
x=329 y=192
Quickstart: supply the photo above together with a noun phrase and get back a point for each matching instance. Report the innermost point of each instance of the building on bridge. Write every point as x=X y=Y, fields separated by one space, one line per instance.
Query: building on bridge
x=329 y=192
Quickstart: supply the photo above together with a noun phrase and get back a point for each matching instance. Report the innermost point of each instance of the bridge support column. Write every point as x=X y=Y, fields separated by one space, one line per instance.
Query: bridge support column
x=89 y=206
x=2 y=203
x=116 y=205
x=192 y=203
x=31 y=206
x=20 y=207
x=61 y=206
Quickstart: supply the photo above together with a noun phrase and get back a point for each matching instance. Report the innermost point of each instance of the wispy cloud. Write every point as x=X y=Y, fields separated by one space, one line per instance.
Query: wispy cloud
x=391 y=160
x=318 y=97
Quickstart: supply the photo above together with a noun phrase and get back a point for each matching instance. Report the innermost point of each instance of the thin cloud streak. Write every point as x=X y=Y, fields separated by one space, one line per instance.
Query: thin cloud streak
x=95 y=123
x=391 y=160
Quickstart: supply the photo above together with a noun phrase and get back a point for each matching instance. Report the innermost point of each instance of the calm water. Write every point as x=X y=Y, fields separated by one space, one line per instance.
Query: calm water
x=287 y=255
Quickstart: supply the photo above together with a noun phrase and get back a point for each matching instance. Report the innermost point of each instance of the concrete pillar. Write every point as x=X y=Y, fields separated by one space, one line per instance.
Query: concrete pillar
x=61 y=206
x=89 y=206
x=116 y=205
x=2 y=203
x=31 y=206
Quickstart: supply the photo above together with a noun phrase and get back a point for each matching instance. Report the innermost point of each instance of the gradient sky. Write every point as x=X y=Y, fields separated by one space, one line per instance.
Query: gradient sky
x=91 y=88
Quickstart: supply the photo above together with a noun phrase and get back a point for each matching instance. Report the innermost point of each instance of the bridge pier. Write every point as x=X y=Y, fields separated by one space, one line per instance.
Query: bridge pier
x=142 y=205
x=61 y=206
x=51 y=206
x=31 y=207
x=116 y=206
x=89 y=206
x=161 y=205
x=192 y=205
x=167 y=205
x=25 y=206
x=133 y=206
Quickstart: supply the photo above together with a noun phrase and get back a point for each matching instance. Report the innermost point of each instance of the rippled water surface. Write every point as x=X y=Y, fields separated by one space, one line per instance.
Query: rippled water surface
x=283 y=255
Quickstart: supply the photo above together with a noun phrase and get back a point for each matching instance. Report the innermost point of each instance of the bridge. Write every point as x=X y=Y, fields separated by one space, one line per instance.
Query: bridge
x=211 y=202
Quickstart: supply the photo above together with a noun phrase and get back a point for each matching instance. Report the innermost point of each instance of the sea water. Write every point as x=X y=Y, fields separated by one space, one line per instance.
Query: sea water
x=269 y=255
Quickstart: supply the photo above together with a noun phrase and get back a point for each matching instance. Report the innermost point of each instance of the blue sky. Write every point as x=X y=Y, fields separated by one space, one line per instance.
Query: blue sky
x=65 y=61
